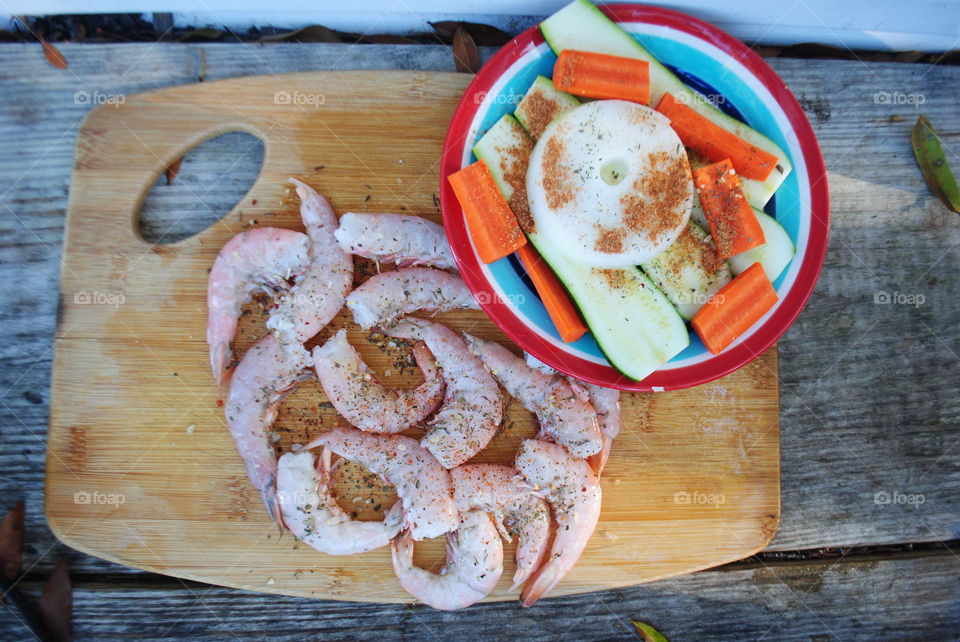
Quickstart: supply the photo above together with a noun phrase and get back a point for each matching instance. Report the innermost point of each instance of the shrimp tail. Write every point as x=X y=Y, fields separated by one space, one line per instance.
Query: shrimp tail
x=538 y=586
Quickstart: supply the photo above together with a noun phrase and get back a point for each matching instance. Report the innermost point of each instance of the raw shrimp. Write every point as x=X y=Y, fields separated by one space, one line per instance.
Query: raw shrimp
x=472 y=408
x=265 y=257
x=606 y=401
x=564 y=415
x=573 y=491
x=265 y=374
x=366 y=403
x=316 y=298
x=516 y=509
x=390 y=295
x=312 y=514
x=473 y=568
x=395 y=238
x=422 y=484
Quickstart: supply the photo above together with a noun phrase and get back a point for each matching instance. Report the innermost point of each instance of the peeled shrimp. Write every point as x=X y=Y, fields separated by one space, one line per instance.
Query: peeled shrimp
x=389 y=295
x=572 y=490
x=395 y=238
x=473 y=568
x=422 y=484
x=366 y=403
x=312 y=514
x=265 y=257
x=315 y=299
x=265 y=374
x=606 y=401
x=472 y=408
x=516 y=510
x=564 y=415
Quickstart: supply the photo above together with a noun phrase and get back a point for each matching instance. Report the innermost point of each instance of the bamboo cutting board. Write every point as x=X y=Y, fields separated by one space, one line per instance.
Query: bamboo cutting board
x=140 y=467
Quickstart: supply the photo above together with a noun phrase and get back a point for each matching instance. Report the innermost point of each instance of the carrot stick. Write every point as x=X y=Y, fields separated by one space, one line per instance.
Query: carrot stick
x=734 y=308
x=733 y=225
x=595 y=75
x=715 y=142
x=492 y=224
x=555 y=299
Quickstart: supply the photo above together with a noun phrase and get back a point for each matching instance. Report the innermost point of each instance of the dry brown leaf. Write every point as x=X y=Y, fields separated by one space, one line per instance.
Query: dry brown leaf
x=11 y=542
x=313 y=33
x=53 y=55
x=466 y=56
x=56 y=604
x=172 y=170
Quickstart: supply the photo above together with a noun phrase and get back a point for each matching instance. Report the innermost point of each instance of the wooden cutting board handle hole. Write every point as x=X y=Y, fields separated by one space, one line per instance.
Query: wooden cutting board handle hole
x=200 y=188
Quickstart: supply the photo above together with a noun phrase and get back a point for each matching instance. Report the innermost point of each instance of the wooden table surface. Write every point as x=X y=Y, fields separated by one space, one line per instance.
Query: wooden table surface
x=869 y=374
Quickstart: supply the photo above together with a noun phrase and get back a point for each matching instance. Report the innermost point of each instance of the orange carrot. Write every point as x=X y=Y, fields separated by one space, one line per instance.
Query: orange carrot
x=716 y=143
x=561 y=310
x=492 y=224
x=734 y=308
x=595 y=75
x=733 y=225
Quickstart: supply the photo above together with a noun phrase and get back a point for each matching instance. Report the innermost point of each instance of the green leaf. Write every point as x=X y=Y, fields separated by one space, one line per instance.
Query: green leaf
x=933 y=164
x=648 y=633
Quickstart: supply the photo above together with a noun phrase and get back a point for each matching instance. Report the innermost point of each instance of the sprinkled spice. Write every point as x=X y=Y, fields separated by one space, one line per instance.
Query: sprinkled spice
x=540 y=112
x=556 y=175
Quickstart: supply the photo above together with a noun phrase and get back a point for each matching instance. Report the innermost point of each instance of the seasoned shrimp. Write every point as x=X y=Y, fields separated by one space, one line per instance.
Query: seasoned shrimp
x=390 y=295
x=573 y=492
x=265 y=374
x=422 y=484
x=312 y=514
x=606 y=401
x=473 y=568
x=516 y=509
x=366 y=403
x=316 y=298
x=395 y=238
x=472 y=408
x=564 y=415
x=265 y=257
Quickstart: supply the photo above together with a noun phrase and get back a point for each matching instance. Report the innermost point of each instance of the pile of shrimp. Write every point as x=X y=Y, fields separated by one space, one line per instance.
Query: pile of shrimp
x=549 y=499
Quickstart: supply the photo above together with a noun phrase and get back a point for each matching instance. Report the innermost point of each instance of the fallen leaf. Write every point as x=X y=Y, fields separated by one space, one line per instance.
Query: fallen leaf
x=648 y=633
x=56 y=604
x=933 y=164
x=11 y=542
x=172 y=170
x=53 y=55
x=313 y=33
x=466 y=56
x=483 y=35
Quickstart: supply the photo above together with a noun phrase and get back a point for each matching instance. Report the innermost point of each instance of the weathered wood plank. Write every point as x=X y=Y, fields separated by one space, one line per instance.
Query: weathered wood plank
x=885 y=420
x=904 y=599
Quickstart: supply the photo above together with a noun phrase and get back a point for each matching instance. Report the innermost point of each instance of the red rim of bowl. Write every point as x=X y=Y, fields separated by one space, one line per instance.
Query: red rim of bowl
x=602 y=374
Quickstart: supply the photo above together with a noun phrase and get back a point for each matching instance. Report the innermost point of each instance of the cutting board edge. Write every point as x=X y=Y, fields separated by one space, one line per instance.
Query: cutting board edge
x=401 y=599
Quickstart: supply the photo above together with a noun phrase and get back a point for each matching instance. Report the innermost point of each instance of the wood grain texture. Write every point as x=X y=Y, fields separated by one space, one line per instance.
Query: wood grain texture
x=693 y=481
x=864 y=599
x=847 y=431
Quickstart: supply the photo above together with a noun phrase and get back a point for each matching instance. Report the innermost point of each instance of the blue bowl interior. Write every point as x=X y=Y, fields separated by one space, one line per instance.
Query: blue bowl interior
x=703 y=74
